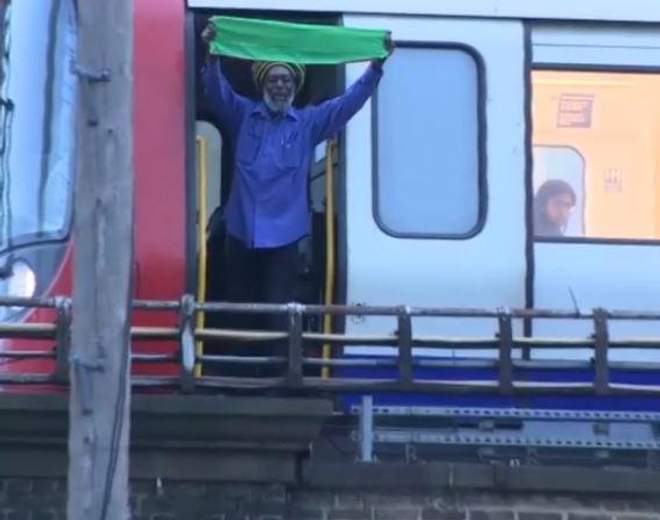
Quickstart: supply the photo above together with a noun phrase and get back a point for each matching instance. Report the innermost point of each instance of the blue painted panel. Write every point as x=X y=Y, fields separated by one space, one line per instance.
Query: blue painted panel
x=491 y=399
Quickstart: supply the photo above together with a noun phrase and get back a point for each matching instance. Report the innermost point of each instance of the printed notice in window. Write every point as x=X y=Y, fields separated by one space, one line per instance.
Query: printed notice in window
x=575 y=111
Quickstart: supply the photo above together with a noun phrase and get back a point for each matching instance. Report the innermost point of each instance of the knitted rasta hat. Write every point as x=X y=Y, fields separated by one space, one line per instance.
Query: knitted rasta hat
x=260 y=70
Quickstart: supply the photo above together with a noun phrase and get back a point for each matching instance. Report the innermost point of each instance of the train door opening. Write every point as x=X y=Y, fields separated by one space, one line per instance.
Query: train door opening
x=596 y=134
x=214 y=152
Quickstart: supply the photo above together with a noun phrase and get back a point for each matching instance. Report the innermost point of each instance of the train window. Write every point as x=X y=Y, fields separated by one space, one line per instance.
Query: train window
x=427 y=164
x=558 y=169
x=210 y=144
x=596 y=159
x=37 y=116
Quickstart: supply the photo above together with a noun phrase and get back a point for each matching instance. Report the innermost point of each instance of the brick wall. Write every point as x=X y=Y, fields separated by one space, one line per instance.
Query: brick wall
x=44 y=499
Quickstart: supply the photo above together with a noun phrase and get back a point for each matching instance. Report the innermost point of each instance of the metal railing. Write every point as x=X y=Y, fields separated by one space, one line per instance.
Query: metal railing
x=295 y=362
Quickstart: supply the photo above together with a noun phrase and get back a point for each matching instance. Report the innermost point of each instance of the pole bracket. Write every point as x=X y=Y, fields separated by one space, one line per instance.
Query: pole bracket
x=187 y=313
x=82 y=369
x=98 y=76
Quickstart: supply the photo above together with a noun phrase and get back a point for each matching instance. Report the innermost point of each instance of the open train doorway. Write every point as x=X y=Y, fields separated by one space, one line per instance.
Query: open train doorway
x=214 y=174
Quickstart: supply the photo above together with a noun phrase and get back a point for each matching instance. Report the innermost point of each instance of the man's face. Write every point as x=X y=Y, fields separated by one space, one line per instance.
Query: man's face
x=279 y=88
x=559 y=209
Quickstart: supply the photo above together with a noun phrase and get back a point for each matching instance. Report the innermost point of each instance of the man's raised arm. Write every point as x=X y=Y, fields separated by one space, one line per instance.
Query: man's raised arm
x=330 y=117
x=228 y=106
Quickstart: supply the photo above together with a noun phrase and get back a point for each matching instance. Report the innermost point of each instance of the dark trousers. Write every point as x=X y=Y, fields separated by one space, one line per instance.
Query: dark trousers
x=264 y=275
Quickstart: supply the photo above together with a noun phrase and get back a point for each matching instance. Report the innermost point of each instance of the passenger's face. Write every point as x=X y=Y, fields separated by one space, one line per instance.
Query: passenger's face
x=559 y=209
x=279 y=84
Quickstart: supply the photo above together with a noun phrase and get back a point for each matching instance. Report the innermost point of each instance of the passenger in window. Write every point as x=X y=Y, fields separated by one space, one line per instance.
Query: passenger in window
x=268 y=211
x=553 y=204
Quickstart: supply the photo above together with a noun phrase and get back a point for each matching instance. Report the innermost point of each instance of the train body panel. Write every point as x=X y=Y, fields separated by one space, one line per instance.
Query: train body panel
x=160 y=166
x=48 y=157
x=436 y=205
x=598 y=10
x=596 y=98
x=456 y=228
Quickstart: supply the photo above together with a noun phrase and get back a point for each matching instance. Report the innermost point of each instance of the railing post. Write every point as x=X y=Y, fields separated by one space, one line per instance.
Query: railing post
x=62 y=339
x=295 y=357
x=405 y=358
x=367 y=429
x=505 y=364
x=187 y=342
x=601 y=342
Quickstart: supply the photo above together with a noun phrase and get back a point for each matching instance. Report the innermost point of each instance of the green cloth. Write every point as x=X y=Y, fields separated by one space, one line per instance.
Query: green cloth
x=264 y=40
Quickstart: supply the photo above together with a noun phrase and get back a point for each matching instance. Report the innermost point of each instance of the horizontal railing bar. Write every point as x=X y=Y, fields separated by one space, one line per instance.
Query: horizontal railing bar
x=542 y=342
x=446 y=312
x=155 y=358
x=559 y=364
x=49 y=379
x=367 y=385
x=625 y=388
x=155 y=381
x=27 y=330
x=27 y=354
x=455 y=363
x=246 y=360
x=643 y=343
x=633 y=315
x=554 y=385
x=367 y=310
x=360 y=339
x=441 y=386
x=649 y=366
x=14 y=301
x=357 y=363
x=240 y=335
x=258 y=308
x=344 y=384
x=650 y=343
x=552 y=364
x=26 y=379
x=155 y=305
x=241 y=382
x=436 y=363
x=155 y=333
x=48 y=331
x=446 y=342
x=493 y=363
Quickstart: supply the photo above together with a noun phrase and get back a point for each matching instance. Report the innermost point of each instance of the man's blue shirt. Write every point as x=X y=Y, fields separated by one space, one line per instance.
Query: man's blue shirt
x=268 y=204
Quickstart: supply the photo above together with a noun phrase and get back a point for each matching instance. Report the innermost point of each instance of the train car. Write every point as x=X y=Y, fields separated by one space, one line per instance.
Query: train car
x=438 y=179
x=39 y=103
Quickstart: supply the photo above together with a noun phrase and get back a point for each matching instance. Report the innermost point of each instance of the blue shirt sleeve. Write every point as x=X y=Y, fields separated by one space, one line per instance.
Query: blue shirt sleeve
x=229 y=107
x=331 y=116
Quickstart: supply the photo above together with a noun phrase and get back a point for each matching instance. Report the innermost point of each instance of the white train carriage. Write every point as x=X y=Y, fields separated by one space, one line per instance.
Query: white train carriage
x=482 y=102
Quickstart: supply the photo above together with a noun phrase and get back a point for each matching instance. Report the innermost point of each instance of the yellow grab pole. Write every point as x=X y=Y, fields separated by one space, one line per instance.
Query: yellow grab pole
x=329 y=246
x=202 y=175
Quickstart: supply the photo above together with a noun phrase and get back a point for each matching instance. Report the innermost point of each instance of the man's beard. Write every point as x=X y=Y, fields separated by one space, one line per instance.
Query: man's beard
x=278 y=107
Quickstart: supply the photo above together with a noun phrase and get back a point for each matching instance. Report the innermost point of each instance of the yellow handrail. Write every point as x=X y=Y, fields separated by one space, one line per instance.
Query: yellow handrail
x=202 y=172
x=329 y=246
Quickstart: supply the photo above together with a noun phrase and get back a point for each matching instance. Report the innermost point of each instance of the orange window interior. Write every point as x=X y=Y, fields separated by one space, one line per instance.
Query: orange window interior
x=611 y=119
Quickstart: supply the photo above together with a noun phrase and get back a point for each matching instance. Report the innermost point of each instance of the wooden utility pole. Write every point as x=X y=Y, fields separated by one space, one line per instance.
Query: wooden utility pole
x=103 y=240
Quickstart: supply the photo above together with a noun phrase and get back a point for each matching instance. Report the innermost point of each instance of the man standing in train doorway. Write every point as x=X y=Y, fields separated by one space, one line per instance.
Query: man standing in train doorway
x=268 y=209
